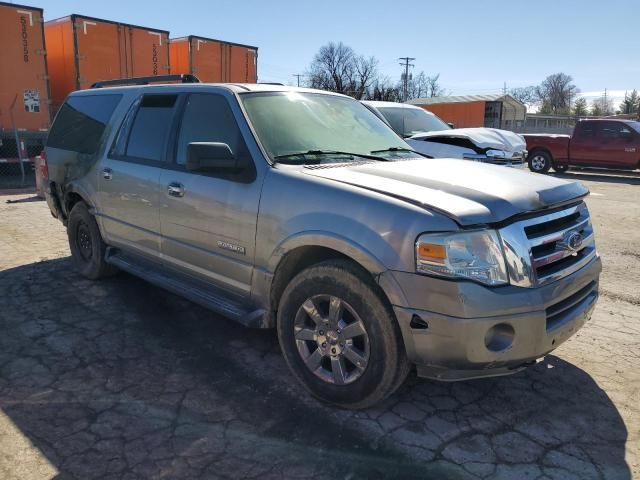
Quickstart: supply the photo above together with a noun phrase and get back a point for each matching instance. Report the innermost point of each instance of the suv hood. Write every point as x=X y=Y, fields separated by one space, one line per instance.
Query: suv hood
x=468 y=192
x=484 y=138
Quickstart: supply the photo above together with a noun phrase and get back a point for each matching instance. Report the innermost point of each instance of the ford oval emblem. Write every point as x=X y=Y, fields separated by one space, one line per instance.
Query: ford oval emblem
x=574 y=241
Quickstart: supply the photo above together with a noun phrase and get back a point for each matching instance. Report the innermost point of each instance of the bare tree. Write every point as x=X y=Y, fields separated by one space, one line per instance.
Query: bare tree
x=422 y=85
x=337 y=68
x=526 y=95
x=602 y=106
x=384 y=89
x=365 y=73
x=555 y=93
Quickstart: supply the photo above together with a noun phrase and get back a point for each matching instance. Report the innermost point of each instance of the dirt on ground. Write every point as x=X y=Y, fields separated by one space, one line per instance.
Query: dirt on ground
x=119 y=379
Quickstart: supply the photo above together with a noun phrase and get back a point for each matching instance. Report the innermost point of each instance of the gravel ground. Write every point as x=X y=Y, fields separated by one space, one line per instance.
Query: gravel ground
x=119 y=379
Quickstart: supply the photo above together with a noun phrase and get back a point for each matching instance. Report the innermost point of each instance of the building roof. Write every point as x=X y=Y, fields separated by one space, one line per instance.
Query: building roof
x=496 y=97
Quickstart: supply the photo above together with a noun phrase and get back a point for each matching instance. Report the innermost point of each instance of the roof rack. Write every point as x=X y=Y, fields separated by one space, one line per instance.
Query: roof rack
x=271 y=83
x=185 y=78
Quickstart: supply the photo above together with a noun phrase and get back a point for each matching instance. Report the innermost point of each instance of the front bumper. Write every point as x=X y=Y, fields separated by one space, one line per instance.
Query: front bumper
x=461 y=330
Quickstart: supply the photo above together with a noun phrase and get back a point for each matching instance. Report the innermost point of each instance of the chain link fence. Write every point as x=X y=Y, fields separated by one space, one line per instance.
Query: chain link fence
x=18 y=155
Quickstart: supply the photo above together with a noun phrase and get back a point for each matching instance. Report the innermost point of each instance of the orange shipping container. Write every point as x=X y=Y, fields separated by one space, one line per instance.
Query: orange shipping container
x=214 y=60
x=462 y=114
x=23 y=72
x=83 y=50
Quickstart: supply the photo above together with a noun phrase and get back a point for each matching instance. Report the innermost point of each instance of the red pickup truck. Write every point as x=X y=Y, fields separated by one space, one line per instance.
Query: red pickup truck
x=599 y=143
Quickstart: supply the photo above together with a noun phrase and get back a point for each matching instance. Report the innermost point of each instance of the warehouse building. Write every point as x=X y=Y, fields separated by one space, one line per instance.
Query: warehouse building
x=494 y=111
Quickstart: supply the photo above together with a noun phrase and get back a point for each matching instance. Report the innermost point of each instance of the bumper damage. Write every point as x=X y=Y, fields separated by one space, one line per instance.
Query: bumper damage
x=499 y=332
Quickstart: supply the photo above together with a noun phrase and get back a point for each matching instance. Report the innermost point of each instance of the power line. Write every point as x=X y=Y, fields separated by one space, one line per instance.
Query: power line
x=298 y=75
x=406 y=63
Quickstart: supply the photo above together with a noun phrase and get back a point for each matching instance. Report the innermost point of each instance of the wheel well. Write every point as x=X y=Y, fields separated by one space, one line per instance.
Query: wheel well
x=70 y=199
x=294 y=262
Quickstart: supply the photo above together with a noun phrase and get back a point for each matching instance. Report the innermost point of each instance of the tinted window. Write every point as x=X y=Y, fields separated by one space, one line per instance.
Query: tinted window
x=151 y=127
x=81 y=121
x=586 y=130
x=208 y=118
x=615 y=130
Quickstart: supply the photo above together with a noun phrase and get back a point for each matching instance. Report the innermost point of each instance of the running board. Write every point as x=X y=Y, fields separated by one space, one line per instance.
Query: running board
x=209 y=298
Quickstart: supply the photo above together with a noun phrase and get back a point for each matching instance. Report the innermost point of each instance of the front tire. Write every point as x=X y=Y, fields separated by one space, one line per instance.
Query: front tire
x=87 y=246
x=339 y=338
x=539 y=162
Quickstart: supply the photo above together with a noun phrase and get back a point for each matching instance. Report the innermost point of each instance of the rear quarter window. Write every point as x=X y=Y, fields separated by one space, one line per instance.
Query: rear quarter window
x=81 y=121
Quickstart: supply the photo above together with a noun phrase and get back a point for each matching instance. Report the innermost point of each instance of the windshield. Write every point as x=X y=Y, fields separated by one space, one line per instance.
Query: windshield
x=293 y=122
x=411 y=121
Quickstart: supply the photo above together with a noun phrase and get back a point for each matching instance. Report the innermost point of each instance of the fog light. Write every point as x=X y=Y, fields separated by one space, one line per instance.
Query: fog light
x=499 y=337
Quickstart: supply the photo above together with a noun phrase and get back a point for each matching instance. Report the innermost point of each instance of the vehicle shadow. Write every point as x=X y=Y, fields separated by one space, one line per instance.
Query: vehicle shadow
x=118 y=378
x=32 y=199
x=599 y=175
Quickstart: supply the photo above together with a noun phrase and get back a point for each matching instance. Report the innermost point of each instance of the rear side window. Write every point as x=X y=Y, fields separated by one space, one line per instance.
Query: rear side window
x=151 y=127
x=81 y=121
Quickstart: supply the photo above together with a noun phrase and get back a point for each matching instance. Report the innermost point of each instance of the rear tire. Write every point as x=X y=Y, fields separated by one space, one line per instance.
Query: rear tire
x=539 y=162
x=363 y=359
x=86 y=244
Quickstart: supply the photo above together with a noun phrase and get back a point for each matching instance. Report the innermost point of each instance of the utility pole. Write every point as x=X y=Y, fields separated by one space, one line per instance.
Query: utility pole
x=504 y=89
x=298 y=75
x=406 y=64
x=605 y=105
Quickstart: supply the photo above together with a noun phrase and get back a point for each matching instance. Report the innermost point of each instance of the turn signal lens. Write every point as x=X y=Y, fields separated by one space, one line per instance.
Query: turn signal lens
x=432 y=250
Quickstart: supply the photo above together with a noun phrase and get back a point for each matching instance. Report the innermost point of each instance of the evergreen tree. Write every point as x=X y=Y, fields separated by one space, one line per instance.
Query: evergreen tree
x=580 y=107
x=631 y=102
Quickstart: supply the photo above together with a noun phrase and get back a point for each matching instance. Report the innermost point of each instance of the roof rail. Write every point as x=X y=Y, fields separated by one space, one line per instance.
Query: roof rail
x=271 y=83
x=185 y=78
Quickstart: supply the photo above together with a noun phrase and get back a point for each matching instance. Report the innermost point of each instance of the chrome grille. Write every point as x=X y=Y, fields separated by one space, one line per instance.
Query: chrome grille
x=546 y=248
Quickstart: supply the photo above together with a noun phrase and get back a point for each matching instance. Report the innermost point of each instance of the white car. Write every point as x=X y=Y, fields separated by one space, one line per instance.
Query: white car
x=428 y=134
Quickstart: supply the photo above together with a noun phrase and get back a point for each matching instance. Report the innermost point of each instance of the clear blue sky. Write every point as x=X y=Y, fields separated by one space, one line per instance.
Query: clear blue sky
x=475 y=45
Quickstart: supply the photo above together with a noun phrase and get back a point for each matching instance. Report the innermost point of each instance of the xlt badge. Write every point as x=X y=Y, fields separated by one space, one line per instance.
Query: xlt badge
x=231 y=247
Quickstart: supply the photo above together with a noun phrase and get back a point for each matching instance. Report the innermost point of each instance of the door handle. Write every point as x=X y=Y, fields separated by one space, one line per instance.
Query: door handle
x=107 y=174
x=175 y=189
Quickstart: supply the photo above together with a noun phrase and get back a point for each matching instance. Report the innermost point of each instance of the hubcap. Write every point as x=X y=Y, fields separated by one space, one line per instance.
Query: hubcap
x=83 y=241
x=331 y=339
x=538 y=162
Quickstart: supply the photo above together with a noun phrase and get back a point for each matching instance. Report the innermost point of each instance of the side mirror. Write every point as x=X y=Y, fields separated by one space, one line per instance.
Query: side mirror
x=210 y=156
x=451 y=124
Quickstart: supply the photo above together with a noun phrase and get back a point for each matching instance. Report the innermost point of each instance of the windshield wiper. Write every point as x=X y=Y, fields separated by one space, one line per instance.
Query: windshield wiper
x=401 y=149
x=328 y=152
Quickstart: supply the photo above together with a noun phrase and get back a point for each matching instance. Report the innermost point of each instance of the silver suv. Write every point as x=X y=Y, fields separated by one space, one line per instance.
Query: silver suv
x=301 y=210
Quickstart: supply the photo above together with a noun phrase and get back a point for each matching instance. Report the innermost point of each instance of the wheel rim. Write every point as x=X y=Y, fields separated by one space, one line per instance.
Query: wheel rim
x=538 y=162
x=331 y=339
x=83 y=241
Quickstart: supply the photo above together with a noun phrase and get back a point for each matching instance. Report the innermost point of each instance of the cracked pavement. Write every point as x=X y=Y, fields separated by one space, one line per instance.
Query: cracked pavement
x=120 y=379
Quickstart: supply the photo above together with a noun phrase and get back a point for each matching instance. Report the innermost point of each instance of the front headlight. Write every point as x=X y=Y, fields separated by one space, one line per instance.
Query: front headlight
x=472 y=255
x=497 y=154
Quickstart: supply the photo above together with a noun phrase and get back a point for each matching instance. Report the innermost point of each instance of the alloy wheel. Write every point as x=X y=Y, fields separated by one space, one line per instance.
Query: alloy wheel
x=538 y=162
x=331 y=339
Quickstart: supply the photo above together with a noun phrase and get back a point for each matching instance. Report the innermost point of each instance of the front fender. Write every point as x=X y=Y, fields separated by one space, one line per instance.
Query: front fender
x=334 y=241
